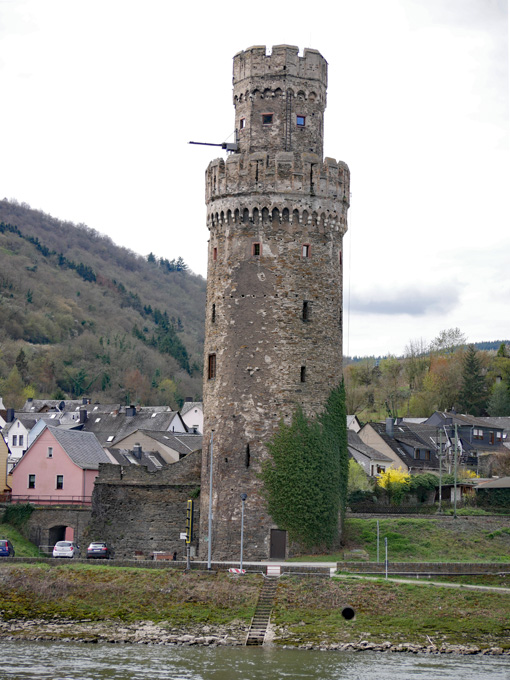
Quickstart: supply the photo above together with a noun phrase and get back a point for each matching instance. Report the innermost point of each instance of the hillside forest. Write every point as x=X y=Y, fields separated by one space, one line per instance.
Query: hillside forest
x=82 y=316
x=447 y=374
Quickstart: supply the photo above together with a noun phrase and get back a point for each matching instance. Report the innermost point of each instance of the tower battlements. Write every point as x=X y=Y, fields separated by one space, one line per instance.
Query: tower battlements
x=291 y=174
x=284 y=61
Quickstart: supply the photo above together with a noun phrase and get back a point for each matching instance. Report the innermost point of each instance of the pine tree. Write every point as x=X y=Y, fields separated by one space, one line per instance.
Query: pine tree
x=473 y=393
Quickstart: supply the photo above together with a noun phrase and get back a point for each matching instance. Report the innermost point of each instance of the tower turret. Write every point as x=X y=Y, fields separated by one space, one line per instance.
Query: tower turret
x=277 y=213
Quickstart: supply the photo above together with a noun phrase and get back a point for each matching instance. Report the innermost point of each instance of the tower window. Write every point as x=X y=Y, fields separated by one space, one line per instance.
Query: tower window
x=213 y=313
x=215 y=254
x=255 y=249
x=300 y=121
x=267 y=119
x=211 y=368
x=247 y=456
x=303 y=373
x=340 y=257
x=306 y=311
x=242 y=123
x=305 y=250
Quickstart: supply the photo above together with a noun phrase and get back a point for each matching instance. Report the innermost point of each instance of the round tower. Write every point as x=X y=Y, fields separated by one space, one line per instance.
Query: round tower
x=277 y=213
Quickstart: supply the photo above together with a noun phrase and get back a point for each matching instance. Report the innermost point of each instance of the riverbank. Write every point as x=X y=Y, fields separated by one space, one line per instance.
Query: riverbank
x=233 y=635
x=98 y=603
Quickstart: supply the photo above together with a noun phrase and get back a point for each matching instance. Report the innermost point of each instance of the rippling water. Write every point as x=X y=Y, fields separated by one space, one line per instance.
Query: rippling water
x=75 y=661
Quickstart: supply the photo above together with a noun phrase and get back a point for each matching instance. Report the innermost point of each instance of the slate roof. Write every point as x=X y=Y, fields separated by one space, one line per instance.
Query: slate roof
x=404 y=436
x=82 y=448
x=112 y=427
x=152 y=460
x=182 y=443
x=501 y=483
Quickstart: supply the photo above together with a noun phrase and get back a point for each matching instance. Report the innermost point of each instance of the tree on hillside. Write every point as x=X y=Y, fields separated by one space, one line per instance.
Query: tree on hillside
x=499 y=400
x=305 y=478
x=473 y=393
x=448 y=341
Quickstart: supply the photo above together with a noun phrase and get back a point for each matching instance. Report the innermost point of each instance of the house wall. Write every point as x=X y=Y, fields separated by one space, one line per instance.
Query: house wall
x=194 y=416
x=4 y=452
x=36 y=461
x=17 y=428
x=371 y=438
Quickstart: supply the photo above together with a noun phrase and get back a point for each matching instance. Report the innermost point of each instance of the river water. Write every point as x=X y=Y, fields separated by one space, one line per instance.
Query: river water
x=79 y=661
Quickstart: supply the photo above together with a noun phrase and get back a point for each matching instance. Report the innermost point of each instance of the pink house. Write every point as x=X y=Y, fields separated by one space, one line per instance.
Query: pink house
x=60 y=466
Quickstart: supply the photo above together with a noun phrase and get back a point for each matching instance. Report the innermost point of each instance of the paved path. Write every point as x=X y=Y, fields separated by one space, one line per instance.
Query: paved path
x=421 y=582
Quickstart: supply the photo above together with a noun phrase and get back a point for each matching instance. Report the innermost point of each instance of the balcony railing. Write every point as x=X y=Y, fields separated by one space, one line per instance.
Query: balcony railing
x=50 y=500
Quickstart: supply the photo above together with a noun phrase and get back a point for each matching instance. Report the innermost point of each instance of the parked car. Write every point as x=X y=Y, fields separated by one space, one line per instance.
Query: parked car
x=65 y=549
x=100 y=549
x=6 y=548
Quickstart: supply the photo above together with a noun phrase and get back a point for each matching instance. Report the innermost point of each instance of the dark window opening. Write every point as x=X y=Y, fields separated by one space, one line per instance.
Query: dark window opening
x=247 y=456
x=340 y=257
x=303 y=373
x=306 y=310
x=213 y=314
x=215 y=254
x=255 y=249
x=300 y=121
x=31 y=481
x=211 y=369
x=242 y=123
x=267 y=119
x=60 y=482
x=305 y=250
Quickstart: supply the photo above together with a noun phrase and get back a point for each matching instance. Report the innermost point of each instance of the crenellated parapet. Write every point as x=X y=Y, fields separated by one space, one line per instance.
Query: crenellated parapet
x=287 y=173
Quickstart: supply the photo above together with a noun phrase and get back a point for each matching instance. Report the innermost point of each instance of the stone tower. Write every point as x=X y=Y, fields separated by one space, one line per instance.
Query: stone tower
x=277 y=213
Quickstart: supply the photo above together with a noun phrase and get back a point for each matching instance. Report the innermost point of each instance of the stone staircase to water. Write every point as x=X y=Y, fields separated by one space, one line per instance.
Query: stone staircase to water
x=260 y=619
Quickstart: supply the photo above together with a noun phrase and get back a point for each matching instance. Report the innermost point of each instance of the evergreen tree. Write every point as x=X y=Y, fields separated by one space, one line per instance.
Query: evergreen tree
x=473 y=394
x=499 y=402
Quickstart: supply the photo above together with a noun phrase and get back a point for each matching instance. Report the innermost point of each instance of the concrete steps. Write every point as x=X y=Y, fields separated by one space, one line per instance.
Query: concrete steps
x=260 y=619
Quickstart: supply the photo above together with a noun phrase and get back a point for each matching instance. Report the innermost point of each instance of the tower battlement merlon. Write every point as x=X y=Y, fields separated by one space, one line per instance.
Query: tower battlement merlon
x=287 y=173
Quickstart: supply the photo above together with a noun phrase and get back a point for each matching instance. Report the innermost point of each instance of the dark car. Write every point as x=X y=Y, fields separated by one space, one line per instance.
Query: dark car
x=100 y=550
x=6 y=548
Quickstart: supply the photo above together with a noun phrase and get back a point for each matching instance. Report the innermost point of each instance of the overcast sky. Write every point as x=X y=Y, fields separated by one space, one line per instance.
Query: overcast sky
x=99 y=100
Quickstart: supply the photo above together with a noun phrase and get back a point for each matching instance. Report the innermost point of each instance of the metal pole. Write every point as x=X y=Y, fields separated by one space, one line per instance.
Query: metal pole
x=455 y=475
x=440 y=470
x=209 y=528
x=243 y=498
x=386 y=558
x=377 y=541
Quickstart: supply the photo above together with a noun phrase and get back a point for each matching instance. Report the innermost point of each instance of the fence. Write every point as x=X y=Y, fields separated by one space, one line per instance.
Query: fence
x=51 y=500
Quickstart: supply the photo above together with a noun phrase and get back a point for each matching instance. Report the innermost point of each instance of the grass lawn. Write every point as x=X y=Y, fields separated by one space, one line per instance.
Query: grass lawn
x=415 y=539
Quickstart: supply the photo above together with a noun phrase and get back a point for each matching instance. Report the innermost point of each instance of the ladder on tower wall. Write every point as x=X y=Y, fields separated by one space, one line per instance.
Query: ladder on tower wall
x=260 y=620
x=288 y=120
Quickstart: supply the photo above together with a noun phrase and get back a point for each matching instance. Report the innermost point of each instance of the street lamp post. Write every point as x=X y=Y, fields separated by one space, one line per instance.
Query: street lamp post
x=243 y=499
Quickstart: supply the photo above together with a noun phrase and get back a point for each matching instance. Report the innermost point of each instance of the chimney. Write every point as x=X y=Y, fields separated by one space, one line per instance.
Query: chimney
x=83 y=415
x=85 y=401
x=137 y=451
x=389 y=427
x=130 y=411
x=10 y=415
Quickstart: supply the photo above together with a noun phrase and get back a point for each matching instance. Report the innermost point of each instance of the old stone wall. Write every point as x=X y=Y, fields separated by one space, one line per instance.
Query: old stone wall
x=277 y=213
x=141 y=512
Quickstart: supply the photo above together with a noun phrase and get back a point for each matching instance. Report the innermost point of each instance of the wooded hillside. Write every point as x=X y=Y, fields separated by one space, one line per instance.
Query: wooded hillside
x=80 y=315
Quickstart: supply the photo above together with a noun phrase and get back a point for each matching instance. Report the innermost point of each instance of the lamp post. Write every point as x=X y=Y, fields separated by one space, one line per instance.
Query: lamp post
x=243 y=499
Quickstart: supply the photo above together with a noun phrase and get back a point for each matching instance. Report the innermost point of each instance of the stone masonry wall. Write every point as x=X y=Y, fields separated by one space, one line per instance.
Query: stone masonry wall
x=144 y=512
x=277 y=213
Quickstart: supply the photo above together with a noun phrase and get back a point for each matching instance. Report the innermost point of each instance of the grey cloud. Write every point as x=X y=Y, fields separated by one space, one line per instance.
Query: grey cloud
x=410 y=301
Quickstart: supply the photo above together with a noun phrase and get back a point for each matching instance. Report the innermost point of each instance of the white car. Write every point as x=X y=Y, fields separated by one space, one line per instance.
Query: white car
x=65 y=549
